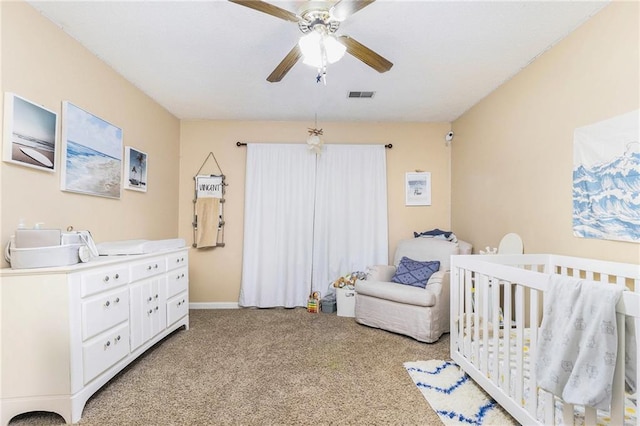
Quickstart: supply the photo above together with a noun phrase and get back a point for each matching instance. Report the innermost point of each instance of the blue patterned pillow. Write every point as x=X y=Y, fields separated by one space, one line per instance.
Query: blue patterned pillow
x=415 y=273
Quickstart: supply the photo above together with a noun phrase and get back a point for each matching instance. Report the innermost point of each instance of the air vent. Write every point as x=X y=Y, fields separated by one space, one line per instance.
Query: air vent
x=361 y=94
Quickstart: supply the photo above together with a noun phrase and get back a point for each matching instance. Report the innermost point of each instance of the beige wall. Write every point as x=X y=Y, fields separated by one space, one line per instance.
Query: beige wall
x=215 y=274
x=512 y=155
x=43 y=64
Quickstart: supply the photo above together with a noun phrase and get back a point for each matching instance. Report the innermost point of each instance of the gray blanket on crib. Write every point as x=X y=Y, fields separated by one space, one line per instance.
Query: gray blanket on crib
x=579 y=341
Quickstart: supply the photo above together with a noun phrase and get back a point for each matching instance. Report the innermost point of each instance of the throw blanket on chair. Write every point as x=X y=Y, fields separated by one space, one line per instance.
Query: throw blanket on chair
x=579 y=341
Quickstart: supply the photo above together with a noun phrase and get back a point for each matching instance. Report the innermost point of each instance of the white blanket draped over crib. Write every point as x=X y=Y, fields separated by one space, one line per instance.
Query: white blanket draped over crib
x=579 y=341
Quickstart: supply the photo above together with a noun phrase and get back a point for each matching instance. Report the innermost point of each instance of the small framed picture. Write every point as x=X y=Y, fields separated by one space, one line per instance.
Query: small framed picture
x=135 y=167
x=418 y=189
x=30 y=137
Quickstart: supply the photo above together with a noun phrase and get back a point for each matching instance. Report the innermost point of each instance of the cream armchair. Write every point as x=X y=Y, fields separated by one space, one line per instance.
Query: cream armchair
x=421 y=313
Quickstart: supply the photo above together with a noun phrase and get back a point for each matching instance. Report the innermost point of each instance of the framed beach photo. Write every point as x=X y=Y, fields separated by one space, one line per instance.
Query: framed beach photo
x=92 y=153
x=135 y=169
x=29 y=134
x=418 y=189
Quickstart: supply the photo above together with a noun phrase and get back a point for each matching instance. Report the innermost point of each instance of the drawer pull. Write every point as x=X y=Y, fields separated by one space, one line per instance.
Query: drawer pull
x=106 y=345
x=149 y=299
x=177 y=260
x=156 y=308
x=179 y=303
x=178 y=277
x=150 y=311
x=149 y=268
x=107 y=303
x=117 y=339
x=182 y=259
x=106 y=279
x=117 y=300
x=117 y=276
x=156 y=266
x=156 y=295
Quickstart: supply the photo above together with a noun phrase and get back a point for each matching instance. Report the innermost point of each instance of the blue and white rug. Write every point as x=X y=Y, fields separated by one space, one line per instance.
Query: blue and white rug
x=452 y=394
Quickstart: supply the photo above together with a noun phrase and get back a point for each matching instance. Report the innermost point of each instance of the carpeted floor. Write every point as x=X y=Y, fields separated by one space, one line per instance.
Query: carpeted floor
x=266 y=366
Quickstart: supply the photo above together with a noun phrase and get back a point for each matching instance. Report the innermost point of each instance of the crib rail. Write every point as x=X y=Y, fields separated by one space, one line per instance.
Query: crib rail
x=496 y=309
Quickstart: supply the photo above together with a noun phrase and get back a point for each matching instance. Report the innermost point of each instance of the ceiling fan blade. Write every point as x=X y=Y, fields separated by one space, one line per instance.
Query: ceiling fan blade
x=287 y=63
x=345 y=8
x=269 y=9
x=365 y=54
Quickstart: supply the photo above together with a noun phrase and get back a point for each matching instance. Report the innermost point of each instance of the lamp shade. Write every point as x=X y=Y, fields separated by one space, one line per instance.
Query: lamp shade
x=334 y=49
x=319 y=49
x=311 y=47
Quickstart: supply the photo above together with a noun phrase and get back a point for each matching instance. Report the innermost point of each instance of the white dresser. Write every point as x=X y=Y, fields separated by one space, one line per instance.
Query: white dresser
x=67 y=331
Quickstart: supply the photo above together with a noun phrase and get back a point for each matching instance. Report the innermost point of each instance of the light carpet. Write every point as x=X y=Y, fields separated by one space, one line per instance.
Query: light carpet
x=454 y=396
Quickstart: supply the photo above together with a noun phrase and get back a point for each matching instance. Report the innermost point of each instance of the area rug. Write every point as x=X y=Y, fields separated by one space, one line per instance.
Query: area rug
x=454 y=396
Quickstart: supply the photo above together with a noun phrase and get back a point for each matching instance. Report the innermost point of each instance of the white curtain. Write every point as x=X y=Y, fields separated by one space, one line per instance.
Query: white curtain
x=350 y=231
x=310 y=220
x=278 y=225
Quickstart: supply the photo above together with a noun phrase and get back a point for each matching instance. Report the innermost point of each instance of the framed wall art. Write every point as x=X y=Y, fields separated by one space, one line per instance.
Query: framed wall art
x=418 y=189
x=92 y=153
x=135 y=169
x=29 y=134
x=606 y=179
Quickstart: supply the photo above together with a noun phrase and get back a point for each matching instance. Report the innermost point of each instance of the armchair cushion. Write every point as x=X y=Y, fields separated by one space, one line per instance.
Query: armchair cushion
x=424 y=249
x=405 y=294
x=380 y=272
x=400 y=293
x=414 y=273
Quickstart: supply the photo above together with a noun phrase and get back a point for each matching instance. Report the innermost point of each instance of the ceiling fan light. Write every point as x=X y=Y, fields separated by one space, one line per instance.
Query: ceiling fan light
x=334 y=49
x=310 y=45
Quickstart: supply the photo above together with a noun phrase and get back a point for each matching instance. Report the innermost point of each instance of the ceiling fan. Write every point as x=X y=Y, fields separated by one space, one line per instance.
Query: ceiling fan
x=322 y=23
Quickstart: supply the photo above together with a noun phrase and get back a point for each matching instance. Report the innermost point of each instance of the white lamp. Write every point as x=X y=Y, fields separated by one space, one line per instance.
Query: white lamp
x=319 y=49
x=314 y=141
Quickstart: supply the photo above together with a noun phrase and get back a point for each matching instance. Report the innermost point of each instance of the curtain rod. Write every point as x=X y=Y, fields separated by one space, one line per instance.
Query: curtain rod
x=389 y=146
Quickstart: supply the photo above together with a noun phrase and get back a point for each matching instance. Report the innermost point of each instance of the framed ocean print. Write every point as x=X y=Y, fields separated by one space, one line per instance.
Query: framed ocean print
x=30 y=134
x=135 y=169
x=92 y=153
x=606 y=179
x=418 y=189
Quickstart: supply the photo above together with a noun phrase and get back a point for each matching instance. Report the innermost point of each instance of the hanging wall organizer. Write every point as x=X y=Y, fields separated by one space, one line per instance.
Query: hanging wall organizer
x=208 y=207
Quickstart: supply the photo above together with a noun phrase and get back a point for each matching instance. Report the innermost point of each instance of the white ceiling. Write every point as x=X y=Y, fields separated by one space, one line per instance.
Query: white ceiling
x=210 y=59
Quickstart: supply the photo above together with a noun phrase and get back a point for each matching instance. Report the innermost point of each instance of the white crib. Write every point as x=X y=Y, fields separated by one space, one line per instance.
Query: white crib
x=496 y=303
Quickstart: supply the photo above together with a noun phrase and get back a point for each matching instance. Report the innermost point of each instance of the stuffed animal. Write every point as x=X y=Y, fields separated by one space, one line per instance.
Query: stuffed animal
x=340 y=282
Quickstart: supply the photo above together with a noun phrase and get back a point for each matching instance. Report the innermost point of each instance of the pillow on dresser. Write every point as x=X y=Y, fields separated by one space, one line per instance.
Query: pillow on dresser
x=415 y=273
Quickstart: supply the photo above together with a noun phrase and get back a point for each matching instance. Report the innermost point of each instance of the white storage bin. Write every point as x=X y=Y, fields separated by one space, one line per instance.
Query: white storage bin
x=44 y=257
x=346 y=300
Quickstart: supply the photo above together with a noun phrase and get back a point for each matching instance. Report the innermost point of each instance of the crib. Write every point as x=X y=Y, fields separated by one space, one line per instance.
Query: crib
x=496 y=311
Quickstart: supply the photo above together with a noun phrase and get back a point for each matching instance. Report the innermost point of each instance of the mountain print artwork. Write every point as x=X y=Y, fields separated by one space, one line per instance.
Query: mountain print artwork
x=606 y=179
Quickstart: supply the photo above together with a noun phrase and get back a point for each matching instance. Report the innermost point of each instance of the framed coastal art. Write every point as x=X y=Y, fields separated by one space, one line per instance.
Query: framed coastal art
x=606 y=179
x=418 y=189
x=92 y=153
x=30 y=132
x=135 y=169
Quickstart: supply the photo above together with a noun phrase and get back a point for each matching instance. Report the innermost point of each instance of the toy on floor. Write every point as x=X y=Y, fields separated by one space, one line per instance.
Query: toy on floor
x=313 y=303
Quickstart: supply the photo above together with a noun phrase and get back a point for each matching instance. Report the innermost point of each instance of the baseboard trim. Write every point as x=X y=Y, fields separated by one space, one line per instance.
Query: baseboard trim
x=214 y=305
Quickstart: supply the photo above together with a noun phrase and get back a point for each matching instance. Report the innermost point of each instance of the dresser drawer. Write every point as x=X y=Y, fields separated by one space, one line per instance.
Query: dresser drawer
x=104 y=279
x=105 y=350
x=177 y=281
x=104 y=311
x=177 y=307
x=148 y=268
x=177 y=260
